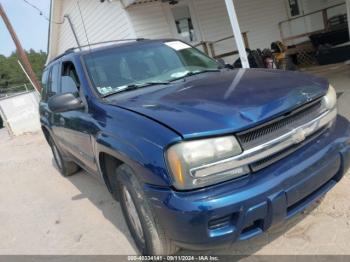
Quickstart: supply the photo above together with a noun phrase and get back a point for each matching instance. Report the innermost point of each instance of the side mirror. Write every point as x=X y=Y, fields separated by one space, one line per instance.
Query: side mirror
x=221 y=61
x=64 y=103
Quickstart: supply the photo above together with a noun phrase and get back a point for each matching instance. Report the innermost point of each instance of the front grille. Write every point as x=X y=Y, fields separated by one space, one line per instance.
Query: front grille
x=280 y=126
x=263 y=163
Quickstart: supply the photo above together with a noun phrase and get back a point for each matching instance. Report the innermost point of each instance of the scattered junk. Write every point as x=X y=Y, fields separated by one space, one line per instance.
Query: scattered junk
x=328 y=46
x=333 y=46
x=274 y=58
x=19 y=112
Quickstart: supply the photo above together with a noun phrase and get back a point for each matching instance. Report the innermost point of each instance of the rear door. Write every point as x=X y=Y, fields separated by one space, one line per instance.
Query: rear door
x=50 y=86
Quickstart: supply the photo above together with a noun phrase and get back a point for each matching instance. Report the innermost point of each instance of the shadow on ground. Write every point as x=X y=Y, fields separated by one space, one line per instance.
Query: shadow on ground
x=96 y=192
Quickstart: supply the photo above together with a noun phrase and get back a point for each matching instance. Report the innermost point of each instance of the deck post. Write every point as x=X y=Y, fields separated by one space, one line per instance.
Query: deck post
x=237 y=33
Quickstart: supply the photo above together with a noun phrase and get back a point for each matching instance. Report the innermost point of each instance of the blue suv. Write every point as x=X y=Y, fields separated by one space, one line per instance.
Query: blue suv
x=198 y=154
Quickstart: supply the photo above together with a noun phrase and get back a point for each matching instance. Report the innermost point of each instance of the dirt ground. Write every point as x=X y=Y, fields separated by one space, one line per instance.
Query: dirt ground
x=44 y=213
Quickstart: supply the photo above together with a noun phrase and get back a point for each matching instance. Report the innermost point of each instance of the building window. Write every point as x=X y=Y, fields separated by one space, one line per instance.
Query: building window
x=294 y=7
x=183 y=22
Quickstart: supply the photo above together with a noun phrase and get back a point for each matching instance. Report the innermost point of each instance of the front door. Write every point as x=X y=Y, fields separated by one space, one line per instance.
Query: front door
x=77 y=127
x=182 y=19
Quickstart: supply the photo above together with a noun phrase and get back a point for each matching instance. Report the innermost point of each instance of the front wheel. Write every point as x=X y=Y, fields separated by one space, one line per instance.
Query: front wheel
x=66 y=168
x=148 y=235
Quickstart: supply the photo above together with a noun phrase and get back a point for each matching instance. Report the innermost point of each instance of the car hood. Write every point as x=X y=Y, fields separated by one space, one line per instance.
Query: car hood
x=223 y=102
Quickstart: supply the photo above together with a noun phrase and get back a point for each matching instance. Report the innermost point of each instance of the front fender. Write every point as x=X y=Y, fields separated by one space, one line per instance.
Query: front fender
x=145 y=158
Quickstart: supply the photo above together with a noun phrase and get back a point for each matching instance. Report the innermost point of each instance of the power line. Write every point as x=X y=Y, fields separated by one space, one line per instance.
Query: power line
x=42 y=13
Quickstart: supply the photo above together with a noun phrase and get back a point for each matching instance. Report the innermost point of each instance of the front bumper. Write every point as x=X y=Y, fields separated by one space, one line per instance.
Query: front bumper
x=237 y=210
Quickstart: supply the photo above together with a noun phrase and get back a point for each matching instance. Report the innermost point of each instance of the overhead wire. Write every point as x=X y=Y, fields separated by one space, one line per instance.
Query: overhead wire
x=42 y=13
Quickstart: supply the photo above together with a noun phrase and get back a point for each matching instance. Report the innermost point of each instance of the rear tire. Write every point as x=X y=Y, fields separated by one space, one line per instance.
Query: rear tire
x=66 y=168
x=148 y=235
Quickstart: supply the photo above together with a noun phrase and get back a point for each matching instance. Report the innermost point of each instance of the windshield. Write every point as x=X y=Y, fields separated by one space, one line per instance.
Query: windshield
x=114 y=70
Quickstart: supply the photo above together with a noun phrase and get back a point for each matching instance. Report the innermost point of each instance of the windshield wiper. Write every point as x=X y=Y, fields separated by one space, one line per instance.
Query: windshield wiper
x=153 y=83
x=193 y=73
x=135 y=86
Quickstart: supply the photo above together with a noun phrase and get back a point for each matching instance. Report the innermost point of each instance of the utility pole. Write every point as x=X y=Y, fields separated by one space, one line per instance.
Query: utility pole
x=22 y=54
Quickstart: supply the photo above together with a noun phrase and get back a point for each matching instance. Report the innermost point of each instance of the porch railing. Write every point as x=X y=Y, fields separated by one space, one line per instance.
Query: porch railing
x=323 y=12
x=209 y=47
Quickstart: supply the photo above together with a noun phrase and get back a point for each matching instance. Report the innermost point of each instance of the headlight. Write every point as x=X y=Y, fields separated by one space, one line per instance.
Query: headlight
x=196 y=164
x=330 y=99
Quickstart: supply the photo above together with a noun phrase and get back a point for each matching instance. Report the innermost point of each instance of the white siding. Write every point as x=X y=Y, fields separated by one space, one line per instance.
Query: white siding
x=214 y=23
x=108 y=21
x=103 y=21
x=149 y=20
x=259 y=18
x=54 y=29
x=314 y=5
x=316 y=20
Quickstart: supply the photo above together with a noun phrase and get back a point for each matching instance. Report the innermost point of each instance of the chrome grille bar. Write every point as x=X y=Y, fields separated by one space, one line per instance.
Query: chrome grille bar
x=271 y=147
x=279 y=126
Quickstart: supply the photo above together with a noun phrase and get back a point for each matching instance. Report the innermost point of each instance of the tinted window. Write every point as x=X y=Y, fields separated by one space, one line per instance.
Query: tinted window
x=44 y=84
x=68 y=71
x=54 y=77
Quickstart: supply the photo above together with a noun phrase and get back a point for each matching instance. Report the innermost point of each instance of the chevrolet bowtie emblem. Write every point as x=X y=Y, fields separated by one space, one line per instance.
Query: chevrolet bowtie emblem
x=299 y=136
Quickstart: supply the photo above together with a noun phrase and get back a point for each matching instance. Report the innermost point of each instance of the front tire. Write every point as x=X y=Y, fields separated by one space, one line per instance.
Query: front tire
x=66 y=168
x=148 y=235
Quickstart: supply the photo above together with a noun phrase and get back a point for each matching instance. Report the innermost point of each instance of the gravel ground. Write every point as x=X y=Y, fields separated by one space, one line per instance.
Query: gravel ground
x=44 y=213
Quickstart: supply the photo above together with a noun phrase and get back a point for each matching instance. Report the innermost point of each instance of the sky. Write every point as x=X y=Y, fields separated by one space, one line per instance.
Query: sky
x=31 y=28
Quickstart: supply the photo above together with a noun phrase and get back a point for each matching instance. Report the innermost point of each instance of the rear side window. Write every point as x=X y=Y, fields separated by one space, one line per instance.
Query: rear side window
x=44 y=84
x=54 y=77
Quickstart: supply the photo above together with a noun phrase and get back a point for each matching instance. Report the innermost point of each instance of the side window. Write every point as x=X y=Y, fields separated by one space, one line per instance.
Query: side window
x=53 y=81
x=44 y=84
x=184 y=23
x=70 y=80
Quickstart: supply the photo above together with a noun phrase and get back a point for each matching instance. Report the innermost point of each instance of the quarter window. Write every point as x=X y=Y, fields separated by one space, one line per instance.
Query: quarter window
x=44 y=84
x=54 y=77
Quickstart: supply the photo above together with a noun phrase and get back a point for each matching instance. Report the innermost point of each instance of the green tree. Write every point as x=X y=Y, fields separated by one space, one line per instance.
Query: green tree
x=10 y=72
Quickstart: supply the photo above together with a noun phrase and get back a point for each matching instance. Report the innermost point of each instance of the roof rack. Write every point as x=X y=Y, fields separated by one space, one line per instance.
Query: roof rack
x=73 y=49
x=68 y=51
x=105 y=42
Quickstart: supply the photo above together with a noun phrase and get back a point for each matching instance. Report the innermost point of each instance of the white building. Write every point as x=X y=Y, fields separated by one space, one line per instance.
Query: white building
x=194 y=21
